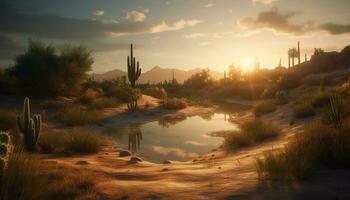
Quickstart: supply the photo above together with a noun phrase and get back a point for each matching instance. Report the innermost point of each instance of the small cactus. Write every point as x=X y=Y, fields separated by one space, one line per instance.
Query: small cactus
x=30 y=126
x=5 y=149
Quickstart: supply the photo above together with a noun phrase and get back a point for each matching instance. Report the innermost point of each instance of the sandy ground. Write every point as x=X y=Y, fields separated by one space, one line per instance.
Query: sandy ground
x=217 y=175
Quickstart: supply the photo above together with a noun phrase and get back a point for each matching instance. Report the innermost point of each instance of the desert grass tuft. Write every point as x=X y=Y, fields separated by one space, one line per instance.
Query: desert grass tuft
x=251 y=132
x=265 y=107
x=174 y=103
x=79 y=116
x=303 y=109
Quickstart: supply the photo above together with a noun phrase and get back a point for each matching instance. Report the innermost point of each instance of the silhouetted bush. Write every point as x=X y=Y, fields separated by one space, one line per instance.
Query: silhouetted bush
x=44 y=72
x=8 y=118
x=199 y=80
x=106 y=102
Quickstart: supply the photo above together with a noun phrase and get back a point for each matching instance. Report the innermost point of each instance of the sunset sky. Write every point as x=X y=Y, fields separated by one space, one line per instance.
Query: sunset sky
x=177 y=33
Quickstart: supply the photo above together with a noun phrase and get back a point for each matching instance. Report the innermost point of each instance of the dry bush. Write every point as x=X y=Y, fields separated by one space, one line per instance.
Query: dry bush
x=78 y=116
x=303 y=109
x=250 y=133
x=156 y=92
x=174 y=103
x=264 y=107
x=88 y=96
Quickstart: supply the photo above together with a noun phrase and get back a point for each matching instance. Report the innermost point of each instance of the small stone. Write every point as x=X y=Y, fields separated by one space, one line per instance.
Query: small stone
x=124 y=153
x=219 y=167
x=135 y=159
x=167 y=162
x=195 y=160
x=212 y=155
x=213 y=150
x=165 y=169
x=82 y=162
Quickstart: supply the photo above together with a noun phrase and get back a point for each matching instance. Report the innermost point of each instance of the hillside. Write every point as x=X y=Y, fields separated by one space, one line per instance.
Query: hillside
x=156 y=74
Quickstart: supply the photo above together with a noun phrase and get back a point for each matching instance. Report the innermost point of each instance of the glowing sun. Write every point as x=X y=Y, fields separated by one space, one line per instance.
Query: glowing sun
x=248 y=63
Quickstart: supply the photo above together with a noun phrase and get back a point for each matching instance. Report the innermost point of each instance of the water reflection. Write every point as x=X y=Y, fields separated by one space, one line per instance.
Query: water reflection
x=135 y=137
x=180 y=138
x=170 y=120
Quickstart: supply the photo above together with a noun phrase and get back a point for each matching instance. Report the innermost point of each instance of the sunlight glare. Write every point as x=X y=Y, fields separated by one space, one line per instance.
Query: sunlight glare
x=248 y=63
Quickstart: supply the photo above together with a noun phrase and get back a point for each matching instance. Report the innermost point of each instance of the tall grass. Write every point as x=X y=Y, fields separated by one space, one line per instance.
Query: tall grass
x=22 y=179
x=264 y=107
x=319 y=145
x=78 y=116
x=303 y=109
x=78 y=140
x=156 y=92
x=250 y=133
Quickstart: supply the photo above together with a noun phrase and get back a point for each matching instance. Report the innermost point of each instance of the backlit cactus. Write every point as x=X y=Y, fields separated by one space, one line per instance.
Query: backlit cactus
x=134 y=70
x=29 y=126
x=5 y=149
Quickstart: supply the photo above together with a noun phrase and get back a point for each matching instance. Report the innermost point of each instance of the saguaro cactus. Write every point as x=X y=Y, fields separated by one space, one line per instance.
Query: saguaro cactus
x=30 y=126
x=5 y=149
x=134 y=70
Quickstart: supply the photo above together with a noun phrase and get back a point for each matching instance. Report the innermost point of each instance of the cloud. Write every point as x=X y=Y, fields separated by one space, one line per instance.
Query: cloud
x=266 y=2
x=209 y=5
x=277 y=21
x=181 y=24
x=173 y=151
x=98 y=12
x=197 y=144
x=135 y=16
x=194 y=35
x=205 y=43
x=280 y=22
x=52 y=26
x=335 y=29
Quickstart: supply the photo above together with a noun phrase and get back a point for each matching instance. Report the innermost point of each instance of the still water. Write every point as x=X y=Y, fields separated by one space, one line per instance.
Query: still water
x=178 y=139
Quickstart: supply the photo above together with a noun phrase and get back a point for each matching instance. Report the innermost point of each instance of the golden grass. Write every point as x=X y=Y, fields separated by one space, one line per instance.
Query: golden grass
x=265 y=107
x=174 y=103
x=78 y=116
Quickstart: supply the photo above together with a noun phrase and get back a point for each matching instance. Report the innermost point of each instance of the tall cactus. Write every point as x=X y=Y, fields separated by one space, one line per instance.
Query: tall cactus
x=5 y=149
x=134 y=70
x=30 y=126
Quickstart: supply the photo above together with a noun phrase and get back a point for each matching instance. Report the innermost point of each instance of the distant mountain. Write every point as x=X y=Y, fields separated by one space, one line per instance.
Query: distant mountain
x=157 y=74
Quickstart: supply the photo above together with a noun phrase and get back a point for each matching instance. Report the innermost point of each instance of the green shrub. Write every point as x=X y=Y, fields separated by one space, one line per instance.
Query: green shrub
x=23 y=179
x=78 y=116
x=174 y=103
x=250 y=133
x=104 y=103
x=303 y=109
x=8 y=118
x=264 y=107
x=156 y=92
x=78 y=140
x=44 y=72
x=320 y=145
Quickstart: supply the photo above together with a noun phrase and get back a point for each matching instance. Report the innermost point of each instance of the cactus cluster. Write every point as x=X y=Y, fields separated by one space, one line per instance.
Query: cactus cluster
x=5 y=149
x=132 y=102
x=134 y=70
x=334 y=113
x=29 y=126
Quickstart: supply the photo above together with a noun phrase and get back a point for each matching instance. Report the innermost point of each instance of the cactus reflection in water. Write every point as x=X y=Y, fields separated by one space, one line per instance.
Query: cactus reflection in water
x=135 y=137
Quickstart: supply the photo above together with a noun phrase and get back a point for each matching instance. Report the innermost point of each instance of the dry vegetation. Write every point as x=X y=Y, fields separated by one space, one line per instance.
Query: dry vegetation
x=77 y=115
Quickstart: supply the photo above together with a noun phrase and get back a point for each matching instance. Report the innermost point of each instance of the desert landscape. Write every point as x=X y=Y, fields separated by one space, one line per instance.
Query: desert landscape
x=274 y=124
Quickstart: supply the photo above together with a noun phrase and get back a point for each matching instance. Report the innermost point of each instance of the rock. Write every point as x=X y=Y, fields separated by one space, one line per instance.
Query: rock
x=167 y=162
x=124 y=153
x=165 y=169
x=135 y=159
x=82 y=162
x=213 y=150
x=195 y=160
x=212 y=155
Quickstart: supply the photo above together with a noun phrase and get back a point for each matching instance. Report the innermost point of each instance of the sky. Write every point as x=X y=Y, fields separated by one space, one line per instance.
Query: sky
x=181 y=34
